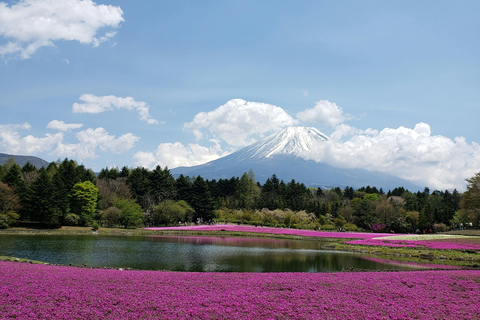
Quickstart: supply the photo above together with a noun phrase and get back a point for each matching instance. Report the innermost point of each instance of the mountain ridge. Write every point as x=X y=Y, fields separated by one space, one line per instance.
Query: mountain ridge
x=22 y=160
x=286 y=154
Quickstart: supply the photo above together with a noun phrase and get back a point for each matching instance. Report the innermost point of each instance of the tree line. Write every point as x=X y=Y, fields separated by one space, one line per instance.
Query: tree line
x=66 y=193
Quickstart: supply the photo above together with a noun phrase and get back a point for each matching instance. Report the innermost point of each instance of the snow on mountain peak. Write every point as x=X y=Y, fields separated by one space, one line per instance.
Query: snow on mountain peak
x=297 y=141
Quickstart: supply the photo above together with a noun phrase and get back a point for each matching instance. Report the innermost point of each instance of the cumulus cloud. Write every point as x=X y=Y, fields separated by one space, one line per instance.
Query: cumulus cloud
x=92 y=139
x=239 y=122
x=412 y=154
x=95 y=104
x=31 y=24
x=176 y=154
x=325 y=113
x=12 y=142
x=62 y=126
x=89 y=142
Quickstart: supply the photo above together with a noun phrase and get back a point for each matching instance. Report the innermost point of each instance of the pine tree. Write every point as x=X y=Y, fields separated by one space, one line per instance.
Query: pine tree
x=40 y=201
x=202 y=201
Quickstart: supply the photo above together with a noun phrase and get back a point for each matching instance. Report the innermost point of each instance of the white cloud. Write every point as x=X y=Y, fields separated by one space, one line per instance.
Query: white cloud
x=95 y=104
x=92 y=139
x=32 y=24
x=239 y=122
x=176 y=154
x=62 y=126
x=412 y=154
x=89 y=142
x=325 y=113
x=12 y=142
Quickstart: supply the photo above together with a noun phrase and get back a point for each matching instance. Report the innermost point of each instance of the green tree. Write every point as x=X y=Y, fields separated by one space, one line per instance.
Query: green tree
x=84 y=201
x=13 y=177
x=171 y=212
x=184 y=188
x=9 y=206
x=111 y=216
x=40 y=204
x=202 y=201
x=364 y=212
x=470 y=203
x=248 y=192
x=131 y=214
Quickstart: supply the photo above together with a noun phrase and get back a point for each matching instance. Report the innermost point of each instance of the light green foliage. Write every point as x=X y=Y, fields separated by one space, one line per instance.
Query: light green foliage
x=72 y=219
x=131 y=214
x=412 y=218
x=339 y=222
x=371 y=197
x=7 y=219
x=171 y=212
x=471 y=201
x=9 y=204
x=84 y=201
x=248 y=192
x=111 y=216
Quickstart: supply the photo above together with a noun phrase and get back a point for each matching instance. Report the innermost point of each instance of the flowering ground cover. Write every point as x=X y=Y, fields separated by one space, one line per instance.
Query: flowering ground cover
x=30 y=291
x=297 y=232
x=445 y=242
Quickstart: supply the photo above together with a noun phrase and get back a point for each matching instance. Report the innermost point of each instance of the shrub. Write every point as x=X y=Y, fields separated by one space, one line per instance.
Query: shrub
x=7 y=219
x=95 y=226
x=71 y=219
x=351 y=227
x=328 y=227
x=440 y=227
x=378 y=227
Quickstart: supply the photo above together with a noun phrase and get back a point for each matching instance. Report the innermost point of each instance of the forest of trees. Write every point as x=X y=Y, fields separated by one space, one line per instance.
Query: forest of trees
x=66 y=193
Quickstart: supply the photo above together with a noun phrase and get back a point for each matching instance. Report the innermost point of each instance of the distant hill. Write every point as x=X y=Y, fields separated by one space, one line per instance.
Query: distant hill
x=22 y=160
x=286 y=155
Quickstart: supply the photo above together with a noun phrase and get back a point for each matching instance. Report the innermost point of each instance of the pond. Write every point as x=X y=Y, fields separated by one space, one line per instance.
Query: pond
x=188 y=253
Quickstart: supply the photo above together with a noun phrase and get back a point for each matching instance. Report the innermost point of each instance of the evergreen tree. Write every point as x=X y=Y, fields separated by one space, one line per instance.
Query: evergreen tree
x=183 y=188
x=13 y=177
x=40 y=201
x=161 y=184
x=202 y=201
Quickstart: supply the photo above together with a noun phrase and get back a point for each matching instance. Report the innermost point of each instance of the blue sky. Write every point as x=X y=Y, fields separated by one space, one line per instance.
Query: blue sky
x=395 y=84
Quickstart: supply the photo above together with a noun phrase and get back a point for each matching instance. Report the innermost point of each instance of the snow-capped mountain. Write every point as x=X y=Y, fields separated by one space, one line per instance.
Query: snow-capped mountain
x=288 y=154
x=292 y=141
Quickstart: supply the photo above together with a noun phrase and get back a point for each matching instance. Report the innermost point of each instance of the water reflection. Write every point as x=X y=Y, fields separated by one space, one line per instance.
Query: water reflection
x=186 y=253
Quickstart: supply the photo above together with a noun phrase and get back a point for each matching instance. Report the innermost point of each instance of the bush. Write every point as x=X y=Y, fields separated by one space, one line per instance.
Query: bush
x=351 y=227
x=328 y=227
x=111 y=216
x=7 y=219
x=95 y=226
x=71 y=219
x=440 y=227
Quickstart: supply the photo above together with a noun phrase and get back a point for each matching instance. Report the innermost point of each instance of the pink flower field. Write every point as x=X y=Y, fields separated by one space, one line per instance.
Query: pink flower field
x=370 y=239
x=29 y=291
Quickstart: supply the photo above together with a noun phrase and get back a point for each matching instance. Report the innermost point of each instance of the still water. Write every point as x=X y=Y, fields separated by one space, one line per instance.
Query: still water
x=186 y=253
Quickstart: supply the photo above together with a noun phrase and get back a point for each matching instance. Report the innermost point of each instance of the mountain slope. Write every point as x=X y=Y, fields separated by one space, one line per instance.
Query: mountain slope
x=286 y=154
x=22 y=160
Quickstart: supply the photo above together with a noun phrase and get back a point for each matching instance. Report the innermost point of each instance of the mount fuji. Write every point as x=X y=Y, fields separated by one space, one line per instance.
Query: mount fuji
x=290 y=154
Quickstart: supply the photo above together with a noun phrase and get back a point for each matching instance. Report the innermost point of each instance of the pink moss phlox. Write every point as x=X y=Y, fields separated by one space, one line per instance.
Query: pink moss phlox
x=30 y=291
x=298 y=232
x=362 y=238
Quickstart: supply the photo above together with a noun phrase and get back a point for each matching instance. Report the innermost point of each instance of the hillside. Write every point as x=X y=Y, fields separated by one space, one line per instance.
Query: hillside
x=288 y=154
x=22 y=160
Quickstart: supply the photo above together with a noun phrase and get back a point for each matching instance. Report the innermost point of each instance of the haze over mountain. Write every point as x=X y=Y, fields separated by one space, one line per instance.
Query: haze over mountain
x=292 y=153
x=22 y=160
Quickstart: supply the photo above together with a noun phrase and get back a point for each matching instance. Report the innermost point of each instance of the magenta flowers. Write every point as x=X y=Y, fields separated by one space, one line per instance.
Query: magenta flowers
x=51 y=292
x=371 y=239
